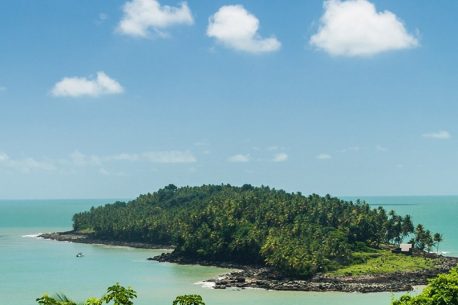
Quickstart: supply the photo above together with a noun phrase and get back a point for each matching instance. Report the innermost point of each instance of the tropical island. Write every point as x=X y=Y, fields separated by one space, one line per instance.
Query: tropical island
x=276 y=240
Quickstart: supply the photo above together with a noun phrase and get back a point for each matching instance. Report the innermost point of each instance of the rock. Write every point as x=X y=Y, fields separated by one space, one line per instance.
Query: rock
x=395 y=282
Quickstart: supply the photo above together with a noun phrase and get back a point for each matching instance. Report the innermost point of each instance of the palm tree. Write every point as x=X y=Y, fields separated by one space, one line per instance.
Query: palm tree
x=437 y=239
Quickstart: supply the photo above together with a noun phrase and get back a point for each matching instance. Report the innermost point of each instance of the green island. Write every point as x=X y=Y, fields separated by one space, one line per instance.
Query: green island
x=279 y=240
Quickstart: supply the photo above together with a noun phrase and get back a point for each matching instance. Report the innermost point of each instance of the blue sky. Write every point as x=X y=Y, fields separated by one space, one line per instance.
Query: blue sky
x=106 y=99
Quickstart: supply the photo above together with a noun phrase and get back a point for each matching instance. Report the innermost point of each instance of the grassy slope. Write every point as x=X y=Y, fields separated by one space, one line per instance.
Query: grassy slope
x=382 y=262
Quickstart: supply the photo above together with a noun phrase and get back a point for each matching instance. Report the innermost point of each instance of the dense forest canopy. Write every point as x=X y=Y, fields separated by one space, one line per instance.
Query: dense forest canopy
x=295 y=234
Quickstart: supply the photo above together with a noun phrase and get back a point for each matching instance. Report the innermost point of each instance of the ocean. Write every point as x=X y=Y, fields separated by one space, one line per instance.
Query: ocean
x=30 y=267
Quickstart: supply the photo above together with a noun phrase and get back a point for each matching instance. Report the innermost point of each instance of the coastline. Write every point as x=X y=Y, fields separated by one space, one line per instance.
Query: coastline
x=265 y=278
x=71 y=236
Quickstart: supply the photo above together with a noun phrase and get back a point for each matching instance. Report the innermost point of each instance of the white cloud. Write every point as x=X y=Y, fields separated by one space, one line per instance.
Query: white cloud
x=236 y=28
x=355 y=28
x=239 y=158
x=101 y=163
x=280 y=157
x=80 y=159
x=439 y=135
x=324 y=156
x=125 y=157
x=81 y=86
x=142 y=15
x=164 y=157
x=25 y=165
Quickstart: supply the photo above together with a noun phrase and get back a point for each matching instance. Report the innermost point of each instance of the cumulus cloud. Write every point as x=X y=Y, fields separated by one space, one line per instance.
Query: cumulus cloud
x=142 y=15
x=236 y=28
x=355 y=28
x=324 y=156
x=239 y=158
x=280 y=157
x=82 y=86
x=439 y=135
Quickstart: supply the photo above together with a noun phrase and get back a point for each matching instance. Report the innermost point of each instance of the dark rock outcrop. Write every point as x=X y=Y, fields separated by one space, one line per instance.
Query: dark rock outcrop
x=266 y=278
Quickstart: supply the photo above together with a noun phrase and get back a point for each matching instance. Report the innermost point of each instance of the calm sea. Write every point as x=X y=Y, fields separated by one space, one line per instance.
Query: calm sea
x=30 y=266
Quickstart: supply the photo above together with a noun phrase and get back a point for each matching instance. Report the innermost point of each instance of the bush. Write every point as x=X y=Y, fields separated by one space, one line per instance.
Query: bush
x=115 y=295
x=442 y=290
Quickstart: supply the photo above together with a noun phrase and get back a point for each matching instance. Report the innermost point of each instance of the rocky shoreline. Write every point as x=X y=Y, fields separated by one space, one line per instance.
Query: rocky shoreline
x=71 y=236
x=266 y=278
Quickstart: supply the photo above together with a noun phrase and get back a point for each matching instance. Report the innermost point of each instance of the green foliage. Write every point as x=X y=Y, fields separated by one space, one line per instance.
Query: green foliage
x=190 y=299
x=294 y=234
x=57 y=300
x=443 y=290
x=93 y=301
x=383 y=261
x=423 y=238
x=119 y=295
x=116 y=293
x=437 y=238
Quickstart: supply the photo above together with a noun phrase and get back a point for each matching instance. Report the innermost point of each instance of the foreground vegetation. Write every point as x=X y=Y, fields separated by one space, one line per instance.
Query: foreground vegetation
x=115 y=295
x=294 y=234
x=442 y=290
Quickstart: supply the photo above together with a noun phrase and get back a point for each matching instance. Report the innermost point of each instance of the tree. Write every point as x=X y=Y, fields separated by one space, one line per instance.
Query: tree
x=423 y=239
x=428 y=240
x=59 y=299
x=116 y=293
x=190 y=299
x=119 y=295
x=437 y=240
x=394 y=228
x=443 y=290
x=407 y=226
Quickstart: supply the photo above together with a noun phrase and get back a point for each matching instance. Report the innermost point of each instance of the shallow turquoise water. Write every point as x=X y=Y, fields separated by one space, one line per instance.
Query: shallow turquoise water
x=30 y=267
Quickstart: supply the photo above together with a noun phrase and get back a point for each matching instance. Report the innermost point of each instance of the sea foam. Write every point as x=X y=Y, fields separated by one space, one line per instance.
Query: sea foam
x=37 y=235
x=205 y=284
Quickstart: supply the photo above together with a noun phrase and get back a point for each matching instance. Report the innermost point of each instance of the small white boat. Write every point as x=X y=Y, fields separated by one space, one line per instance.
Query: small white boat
x=80 y=254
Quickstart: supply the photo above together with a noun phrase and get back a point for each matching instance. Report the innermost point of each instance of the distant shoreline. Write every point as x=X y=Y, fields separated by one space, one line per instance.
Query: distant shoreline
x=266 y=278
x=71 y=236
